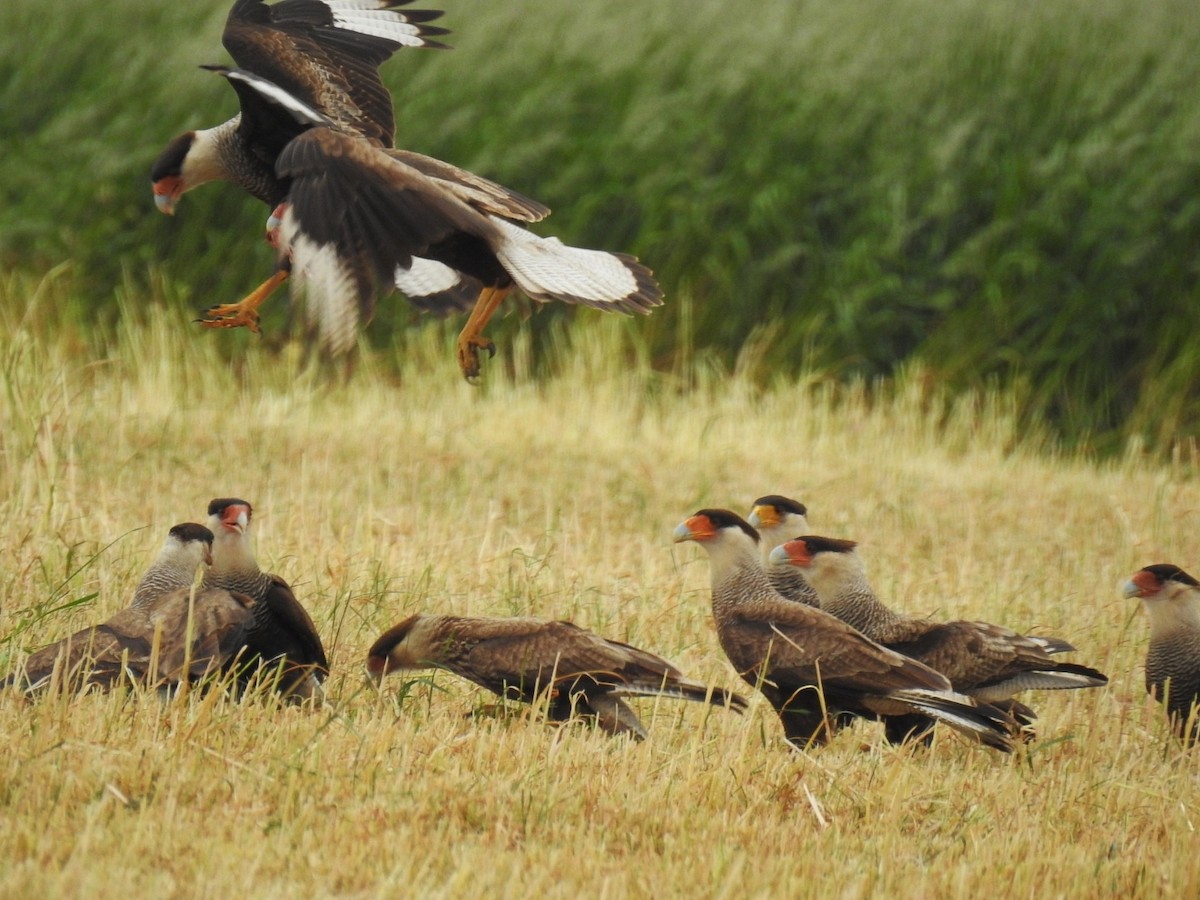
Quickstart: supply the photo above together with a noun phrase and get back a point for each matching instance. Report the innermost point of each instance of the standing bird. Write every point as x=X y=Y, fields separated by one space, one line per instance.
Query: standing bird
x=988 y=662
x=282 y=634
x=816 y=670
x=576 y=671
x=1172 y=600
x=169 y=634
x=778 y=519
x=328 y=53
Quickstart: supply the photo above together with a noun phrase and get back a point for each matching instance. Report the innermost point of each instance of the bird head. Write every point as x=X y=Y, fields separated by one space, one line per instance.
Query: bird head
x=713 y=525
x=822 y=559
x=775 y=510
x=394 y=650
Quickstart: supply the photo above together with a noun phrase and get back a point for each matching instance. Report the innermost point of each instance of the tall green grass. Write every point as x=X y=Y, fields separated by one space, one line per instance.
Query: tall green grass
x=994 y=190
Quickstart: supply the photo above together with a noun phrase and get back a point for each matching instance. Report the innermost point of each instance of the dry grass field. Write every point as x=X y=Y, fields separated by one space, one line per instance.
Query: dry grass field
x=399 y=489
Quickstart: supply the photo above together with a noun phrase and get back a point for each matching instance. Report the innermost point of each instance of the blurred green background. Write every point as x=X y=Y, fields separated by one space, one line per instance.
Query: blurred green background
x=994 y=192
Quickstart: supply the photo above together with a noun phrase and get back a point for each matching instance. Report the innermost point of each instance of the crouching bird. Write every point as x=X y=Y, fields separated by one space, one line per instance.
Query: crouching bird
x=169 y=634
x=1172 y=600
x=817 y=671
x=988 y=662
x=281 y=636
x=574 y=671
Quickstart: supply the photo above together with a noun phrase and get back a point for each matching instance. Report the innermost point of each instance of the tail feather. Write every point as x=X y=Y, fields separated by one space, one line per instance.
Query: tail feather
x=985 y=723
x=683 y=690
x=547 y=269
x=1056 y=677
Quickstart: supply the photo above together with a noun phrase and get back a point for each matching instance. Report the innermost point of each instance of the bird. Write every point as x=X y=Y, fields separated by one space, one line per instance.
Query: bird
x=988 y=662
x=357 y=212
x=281 y=636
x=575 y=671
x=777 y=519
x=817 y=671
x=1172 y=600
x=327 y=52
x=169 y=634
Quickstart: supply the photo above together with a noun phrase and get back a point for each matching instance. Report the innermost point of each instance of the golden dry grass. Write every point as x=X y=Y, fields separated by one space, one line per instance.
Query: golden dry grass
x=386 y=494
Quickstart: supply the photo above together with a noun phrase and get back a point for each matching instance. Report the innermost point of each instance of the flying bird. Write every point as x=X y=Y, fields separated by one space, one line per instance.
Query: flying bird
x=169 y=634
x=778 y=519
x=817 y=671
x=328 y=53
x=281 y=635
x=575 y=671
x=358 y=215
x=1172 y=600
x=988 y=662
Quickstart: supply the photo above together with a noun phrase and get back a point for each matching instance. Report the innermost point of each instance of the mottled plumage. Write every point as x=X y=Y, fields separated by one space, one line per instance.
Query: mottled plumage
x=988 y=662
x=327 y=54
x=574 y=670
x=778 y=519
x=170 y=633
x=814 y=669
x=1172 y=600
x=282 y=633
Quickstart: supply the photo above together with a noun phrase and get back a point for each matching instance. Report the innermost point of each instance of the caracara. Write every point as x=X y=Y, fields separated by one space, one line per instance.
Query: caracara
x=327 y=52
x=169 y=634
x=573 y=671
x=816 y=670
x=988 y=662
x=281 y=638
x=1172 y=600
x=778 y=519
x=358 y=215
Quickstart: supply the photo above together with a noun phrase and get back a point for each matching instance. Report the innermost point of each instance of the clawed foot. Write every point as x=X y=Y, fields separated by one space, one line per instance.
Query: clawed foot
x=231 y=315
x=468 y=354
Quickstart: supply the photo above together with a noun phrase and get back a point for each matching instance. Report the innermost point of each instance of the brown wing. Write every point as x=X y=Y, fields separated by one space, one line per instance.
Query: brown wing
x=216 y=622
x=355 y=216
x=479 y=192
x=282 y=627
x=149 y=643
x=326 y=61
x=800 y=645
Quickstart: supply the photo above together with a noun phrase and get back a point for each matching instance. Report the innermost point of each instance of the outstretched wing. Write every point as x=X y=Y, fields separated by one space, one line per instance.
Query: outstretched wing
x=328 y=53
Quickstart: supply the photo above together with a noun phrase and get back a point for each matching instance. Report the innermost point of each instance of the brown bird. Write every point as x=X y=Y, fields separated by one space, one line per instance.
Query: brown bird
x=574 y=670
x=778 y=519
x=1172 y=600
x=988 y=662
x=282 y=635
x=356 y=212
x=170 y=633
x=328 y=53
x=816 y=670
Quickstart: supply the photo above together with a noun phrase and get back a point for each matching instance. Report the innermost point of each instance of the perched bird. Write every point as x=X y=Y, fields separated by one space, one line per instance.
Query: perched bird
x=169 y=634
x=816 y=670
x=576 y=671
x=328 y=53
x=282 y=633
x=988 y=662
x=778 y=519
x=1172 y=600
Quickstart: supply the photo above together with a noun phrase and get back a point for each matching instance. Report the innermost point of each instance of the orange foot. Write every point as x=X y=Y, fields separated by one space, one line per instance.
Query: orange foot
x=244 y=313
x=231 y=315
x=468 y=353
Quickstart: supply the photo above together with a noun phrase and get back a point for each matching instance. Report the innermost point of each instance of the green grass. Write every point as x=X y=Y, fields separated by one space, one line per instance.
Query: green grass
x=990 y=190
x=396 y=488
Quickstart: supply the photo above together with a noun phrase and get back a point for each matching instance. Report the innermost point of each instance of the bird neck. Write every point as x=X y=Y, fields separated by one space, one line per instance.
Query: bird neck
x=737 y=577
x=1174 y=615
x=161 y=578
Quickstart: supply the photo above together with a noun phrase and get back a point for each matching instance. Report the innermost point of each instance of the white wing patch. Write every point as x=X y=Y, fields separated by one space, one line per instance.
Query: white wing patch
x=329 y=289
x=547 y=269
x=425 y=277
x=272 y=92
x=369 y=17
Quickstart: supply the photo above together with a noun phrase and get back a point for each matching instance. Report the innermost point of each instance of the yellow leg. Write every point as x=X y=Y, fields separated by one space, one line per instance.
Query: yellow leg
x=471 y=339
x=244 y=312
